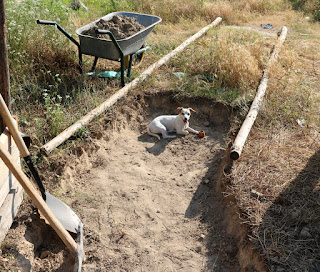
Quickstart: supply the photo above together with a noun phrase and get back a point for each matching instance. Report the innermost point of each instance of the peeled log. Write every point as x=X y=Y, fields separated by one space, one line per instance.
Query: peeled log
x=241 y=138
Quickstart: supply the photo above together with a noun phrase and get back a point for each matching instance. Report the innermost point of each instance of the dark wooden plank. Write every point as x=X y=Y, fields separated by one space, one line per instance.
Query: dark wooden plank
x=4 y=66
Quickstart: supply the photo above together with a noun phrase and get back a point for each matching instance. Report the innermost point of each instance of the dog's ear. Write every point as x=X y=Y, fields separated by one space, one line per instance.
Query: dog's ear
x=179 y=109
x=191 y=109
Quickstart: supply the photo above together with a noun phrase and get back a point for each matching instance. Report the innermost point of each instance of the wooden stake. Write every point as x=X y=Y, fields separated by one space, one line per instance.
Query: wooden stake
x=254 y=109
x=4 y=67
x=66 y=134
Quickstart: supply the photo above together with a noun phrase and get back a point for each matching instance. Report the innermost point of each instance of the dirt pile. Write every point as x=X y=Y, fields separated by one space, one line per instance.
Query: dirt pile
x=121 y=27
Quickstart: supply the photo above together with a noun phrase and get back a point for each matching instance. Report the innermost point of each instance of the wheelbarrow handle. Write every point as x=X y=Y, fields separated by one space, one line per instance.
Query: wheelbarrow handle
x=45 y=22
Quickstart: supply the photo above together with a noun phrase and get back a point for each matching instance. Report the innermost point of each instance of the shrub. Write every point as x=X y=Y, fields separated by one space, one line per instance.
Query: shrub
x=309 y=6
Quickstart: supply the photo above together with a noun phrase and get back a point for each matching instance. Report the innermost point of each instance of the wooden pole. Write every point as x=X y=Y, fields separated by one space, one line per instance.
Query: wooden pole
x=4 y=67
x=241 y=138
x=66 y=134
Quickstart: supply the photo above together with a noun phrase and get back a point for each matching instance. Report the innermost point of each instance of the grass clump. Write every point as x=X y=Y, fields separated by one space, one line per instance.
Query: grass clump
x=226 y=66
x=236 y=61
x=308 y=6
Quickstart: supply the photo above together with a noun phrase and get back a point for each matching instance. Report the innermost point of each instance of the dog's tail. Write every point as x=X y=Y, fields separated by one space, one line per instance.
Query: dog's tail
x=152 y=134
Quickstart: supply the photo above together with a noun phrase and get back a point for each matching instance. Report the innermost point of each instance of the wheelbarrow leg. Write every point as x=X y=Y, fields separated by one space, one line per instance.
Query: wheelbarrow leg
x=80 y=61
x=129 y=66
x=122 y=71
x=94 y=64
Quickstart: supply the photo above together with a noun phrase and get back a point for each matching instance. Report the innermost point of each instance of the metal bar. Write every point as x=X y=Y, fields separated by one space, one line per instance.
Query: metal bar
x=44 y=22
x=80 y=60
x=94 y=63
x=130 y=65
x=100 y=31
x=4 y=66
x=36 y=176
x=122 y=71
x=142 y=50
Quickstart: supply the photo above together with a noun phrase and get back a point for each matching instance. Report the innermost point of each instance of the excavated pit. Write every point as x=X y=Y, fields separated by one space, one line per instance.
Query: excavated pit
x=150 y=205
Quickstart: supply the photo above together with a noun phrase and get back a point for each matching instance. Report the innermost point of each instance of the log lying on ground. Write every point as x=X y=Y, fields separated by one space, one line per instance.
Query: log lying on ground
x=241 y=138
x=66 y=134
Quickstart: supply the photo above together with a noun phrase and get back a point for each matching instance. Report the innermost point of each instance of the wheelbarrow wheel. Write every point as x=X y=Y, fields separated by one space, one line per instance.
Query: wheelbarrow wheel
x=136 y=61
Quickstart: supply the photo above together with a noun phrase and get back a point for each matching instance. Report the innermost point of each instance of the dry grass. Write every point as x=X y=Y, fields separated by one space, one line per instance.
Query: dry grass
x=296 y=76
x=238 y=59
x=276 y=181
x=233 y=12
x=276 y=185
x=224 y=64
x=223 y=9
x=238 y=12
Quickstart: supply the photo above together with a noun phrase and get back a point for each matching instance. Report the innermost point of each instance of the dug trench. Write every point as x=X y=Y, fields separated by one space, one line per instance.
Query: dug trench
x=146 y=205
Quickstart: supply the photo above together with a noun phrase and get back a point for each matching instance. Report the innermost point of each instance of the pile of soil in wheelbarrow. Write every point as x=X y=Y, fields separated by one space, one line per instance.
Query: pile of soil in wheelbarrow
x=121 y=27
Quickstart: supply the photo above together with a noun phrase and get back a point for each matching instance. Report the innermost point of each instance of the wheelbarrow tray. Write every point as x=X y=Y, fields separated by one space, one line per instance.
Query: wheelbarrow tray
x=104 y=48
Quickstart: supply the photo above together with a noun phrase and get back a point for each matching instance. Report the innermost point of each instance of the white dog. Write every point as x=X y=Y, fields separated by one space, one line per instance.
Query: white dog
x=172 y=123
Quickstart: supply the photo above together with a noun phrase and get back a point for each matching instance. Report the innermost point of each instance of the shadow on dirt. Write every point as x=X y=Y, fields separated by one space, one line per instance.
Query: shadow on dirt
x=48 y=246
x=290 y=230
x=22 y=260
x=208 y=204
x=158 y=147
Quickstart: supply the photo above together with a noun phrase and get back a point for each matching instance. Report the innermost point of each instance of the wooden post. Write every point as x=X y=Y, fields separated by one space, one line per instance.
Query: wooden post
x=241 y=138
x=4 y=67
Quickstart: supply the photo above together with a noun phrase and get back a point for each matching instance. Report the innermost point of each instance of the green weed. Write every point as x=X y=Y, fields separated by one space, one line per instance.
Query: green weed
x=24 y=33
x=81 y=133
x=53 y=111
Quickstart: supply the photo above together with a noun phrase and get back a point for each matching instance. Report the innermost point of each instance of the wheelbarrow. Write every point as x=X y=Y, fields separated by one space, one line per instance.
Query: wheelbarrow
x=117 y=50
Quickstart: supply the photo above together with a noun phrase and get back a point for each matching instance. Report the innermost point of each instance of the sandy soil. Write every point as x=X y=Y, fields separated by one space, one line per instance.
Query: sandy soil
x=146 y=205
x=150 y=202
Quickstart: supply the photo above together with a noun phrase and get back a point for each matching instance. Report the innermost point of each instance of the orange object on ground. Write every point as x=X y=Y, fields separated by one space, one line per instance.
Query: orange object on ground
x=201 y=133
